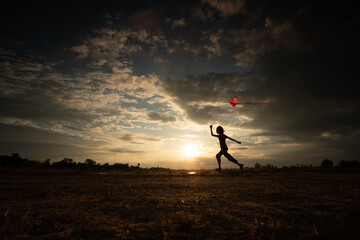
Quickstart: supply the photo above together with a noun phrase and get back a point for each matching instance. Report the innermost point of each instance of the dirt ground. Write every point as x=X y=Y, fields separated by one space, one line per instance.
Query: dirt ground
x=206 y=205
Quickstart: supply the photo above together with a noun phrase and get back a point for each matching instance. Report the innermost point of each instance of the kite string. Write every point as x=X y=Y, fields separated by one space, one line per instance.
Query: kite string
x=234 y=102
x=252 y=103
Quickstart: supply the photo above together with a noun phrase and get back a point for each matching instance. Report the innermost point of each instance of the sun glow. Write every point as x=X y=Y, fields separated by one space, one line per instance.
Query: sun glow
x=191 y=150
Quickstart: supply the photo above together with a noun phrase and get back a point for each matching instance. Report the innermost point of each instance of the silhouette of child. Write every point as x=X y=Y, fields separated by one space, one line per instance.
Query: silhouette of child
x=224 y=149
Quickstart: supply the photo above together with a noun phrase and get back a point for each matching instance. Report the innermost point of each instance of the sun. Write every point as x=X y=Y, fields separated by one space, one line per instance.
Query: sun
x=191 y=150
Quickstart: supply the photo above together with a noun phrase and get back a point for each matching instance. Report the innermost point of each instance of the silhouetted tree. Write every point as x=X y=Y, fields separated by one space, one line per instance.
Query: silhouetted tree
x=90 y=162
x=327 y=163
x=257 y=165
x=104 y=167
x=65 y=163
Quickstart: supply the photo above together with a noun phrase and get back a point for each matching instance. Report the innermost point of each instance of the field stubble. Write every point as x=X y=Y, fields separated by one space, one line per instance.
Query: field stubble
x=269 y=205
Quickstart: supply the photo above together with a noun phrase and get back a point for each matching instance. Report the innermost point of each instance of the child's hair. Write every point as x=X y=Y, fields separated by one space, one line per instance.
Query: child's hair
x=220 y=130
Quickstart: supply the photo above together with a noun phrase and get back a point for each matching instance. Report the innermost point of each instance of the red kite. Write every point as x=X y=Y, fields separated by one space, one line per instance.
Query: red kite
x=234 y=101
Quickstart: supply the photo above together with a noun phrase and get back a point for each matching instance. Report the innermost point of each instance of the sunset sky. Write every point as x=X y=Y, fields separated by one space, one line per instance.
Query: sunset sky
x=141 y=81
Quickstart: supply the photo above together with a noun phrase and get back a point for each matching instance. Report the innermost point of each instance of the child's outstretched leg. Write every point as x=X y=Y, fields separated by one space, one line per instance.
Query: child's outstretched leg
x=232 y=159
x=218 y=158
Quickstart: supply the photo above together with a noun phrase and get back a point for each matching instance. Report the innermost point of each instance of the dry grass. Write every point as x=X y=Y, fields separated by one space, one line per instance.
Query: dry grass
x=174 y=205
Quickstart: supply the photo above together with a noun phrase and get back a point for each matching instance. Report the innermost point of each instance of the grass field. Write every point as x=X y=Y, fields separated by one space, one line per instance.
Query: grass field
x=176 y=205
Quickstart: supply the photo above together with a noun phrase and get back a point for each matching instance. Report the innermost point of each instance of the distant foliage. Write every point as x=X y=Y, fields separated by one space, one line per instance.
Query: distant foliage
x=65 y=163
x=349 y=164
x=327 y=163
x=15 y=160
x=268 y=166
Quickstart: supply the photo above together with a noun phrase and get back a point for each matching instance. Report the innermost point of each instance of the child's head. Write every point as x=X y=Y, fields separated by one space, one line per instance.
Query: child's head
x=220 y=130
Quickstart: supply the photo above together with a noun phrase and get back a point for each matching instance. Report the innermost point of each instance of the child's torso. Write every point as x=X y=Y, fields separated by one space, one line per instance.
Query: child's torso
x=222 y=139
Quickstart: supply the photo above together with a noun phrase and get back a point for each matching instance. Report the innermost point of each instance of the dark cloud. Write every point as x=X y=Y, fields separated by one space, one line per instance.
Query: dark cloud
x=125 y=150
x=265 y=134
x=37 y=143
x=152 y=139
x=204 y=114
x=303 y=62
x=226 y=7
x=204 y=98
x=208 y=87
x=241 y=148
x=127 y=137
x=311 y=74
x=35 y=105
x=162 y=117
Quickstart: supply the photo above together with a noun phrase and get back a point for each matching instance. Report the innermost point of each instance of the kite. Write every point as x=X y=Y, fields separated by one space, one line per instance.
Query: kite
x=234 y=101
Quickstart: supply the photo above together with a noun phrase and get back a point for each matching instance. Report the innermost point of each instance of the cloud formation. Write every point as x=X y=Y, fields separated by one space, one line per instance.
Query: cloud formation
x=96 y=102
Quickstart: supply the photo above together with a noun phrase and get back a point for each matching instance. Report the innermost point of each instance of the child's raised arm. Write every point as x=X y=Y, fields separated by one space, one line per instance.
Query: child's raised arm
x=234 y=140
x=212 y=134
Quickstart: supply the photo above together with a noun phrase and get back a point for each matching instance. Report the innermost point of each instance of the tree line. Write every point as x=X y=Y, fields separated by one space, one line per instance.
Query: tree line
x=324 y=164
x=15 y=160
